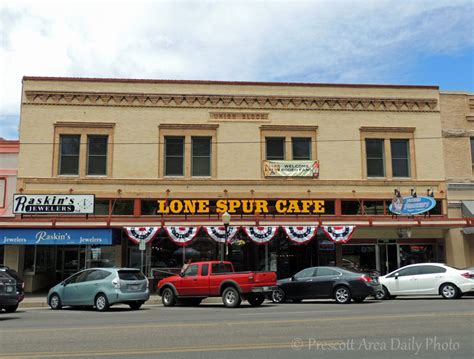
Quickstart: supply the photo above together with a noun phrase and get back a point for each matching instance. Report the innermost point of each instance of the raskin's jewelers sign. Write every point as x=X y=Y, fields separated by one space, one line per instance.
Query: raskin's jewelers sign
x=53 y=204
x=291 y=169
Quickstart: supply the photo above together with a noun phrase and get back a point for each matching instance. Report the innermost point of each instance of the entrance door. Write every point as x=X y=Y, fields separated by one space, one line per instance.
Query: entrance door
x=388 y=255
x=71 y=259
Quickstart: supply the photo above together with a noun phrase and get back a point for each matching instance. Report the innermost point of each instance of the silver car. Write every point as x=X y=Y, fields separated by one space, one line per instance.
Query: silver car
x=101 y=288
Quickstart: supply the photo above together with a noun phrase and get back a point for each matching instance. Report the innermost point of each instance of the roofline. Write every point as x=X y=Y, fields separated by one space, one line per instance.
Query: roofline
x=465 y=93
x=209 y=82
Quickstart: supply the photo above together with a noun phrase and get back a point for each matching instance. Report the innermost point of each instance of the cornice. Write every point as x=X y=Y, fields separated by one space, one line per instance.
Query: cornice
x=84 y=124
x=288 y=128
x=387 y=129
x=190 y=126
x=246 y=102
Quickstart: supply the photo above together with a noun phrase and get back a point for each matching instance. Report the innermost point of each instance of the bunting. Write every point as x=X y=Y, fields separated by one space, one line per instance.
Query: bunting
x=182 y=236
x=339 y=234
x=261 y=235
x=138 y=234
x=300 y=234
x=218 y=233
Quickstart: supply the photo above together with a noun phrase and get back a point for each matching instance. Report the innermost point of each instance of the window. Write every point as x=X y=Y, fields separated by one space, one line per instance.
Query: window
x=69 y=154
x=97 y=155
x=407 y=271
x=205 y=269
x=174 y=156
x=97 y=275
x=301 y=148
x=375 y=159
x=192 y=271
x=101 y=207
x=305 y=273
x=123 y=207
x=130 y=275
x=221 y=268
x=201 y=156
x=320 y=272
x=472 y=151
x=432 y=270
x=400 y=158
x=275 y=148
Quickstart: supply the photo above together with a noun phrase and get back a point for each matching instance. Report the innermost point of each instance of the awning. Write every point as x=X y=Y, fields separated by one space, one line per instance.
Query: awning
x=467 y=208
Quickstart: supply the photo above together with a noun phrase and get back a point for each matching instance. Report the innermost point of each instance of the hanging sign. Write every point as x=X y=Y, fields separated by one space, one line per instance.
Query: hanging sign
x=53 y=203
x=141 y=234
x=300 y=234
x=339 y=234
x=261 y=235
x=182 y=236
x=291 y=169
x=218 y=233
x=409 y=206
x=42 y=236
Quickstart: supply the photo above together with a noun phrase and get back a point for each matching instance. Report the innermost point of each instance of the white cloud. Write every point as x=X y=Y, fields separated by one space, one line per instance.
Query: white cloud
x=319 y=41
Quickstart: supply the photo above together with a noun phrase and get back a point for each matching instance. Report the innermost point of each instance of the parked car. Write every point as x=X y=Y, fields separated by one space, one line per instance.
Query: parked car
x=326 y=282
x=8 y=297
x=216 y=279
x=101 y=288
x=20 y=284
x=426 y=279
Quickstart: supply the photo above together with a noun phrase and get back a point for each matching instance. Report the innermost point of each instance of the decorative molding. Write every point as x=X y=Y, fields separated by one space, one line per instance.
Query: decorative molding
x=85 y=124
x=458 y=132
x=387 y=129
x=181 y=126
x=288 y=128
x=246 y=116
x=231 y=101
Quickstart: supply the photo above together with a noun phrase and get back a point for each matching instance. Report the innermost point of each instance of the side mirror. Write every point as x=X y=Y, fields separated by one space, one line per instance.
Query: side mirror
x=293 y=278
x=396 y=275
x=63 y=283
x=181 y=274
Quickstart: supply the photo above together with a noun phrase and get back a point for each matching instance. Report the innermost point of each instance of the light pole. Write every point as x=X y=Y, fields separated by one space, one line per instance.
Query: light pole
x=226 y=221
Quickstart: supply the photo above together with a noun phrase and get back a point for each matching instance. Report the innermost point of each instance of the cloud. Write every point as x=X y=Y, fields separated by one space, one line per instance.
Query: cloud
x=323 y=41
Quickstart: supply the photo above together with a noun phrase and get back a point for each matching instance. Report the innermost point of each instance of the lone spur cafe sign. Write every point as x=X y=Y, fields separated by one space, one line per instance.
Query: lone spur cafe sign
x=53 y=204
x=240 y=206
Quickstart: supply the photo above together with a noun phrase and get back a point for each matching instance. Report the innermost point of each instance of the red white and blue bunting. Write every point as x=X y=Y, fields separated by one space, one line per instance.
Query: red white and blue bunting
x=182 y=236
x=141 y=234
x=261 y=235
x=300 y=234
x=218 y=233
x=339 y=234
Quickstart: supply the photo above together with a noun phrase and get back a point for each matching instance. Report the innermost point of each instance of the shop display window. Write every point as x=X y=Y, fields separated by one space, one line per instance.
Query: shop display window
x=39 y=259
x=101 y=257
x=417 y=253
x=359 y=257
x=2 y=255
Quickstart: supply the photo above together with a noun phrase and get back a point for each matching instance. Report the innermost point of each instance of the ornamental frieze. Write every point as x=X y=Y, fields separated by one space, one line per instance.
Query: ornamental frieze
x=231 y=101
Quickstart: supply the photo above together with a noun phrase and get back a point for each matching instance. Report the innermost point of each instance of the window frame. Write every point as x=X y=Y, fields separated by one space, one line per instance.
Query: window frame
x=89 y=155
x=165 y=162
x=293 y=140
x=382 y=141
x=283 y=143
x=392 y=140
x=61 y=156
x=193 y=138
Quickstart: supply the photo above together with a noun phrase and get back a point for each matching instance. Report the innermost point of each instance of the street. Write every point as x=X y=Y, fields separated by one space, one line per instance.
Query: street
x=401 y=328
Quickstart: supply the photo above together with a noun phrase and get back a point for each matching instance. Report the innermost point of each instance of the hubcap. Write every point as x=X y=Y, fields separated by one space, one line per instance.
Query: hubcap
x=380 y=294
x=167 y=296
x=448 y=291
x=100 y=302
x=230 y=297
x=54 y=301
x=277 y=296
x=342 y=295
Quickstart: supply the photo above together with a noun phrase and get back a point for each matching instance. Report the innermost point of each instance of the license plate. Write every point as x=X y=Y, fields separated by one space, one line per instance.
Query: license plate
x=134 y=287
x=9 y=289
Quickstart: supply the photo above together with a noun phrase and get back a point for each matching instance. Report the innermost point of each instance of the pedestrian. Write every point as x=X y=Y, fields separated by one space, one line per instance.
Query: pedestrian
x=185 y=266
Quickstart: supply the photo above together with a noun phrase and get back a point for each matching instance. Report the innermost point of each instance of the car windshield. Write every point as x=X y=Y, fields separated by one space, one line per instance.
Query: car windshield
x=131 y=275
x=12 y=274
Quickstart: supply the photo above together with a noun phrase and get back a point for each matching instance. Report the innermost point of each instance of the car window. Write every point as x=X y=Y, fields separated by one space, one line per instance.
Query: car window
x=431 y=269
x=13 y=274
x=192 y=271
x=97 y=275
x=205 y=269
x=76 y=277
x=320 y=272
x=221 y=268
x=407 y=271
x=305 y=273
x=131 y=275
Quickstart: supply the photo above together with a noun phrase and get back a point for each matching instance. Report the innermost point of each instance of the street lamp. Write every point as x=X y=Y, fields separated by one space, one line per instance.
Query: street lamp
x=226 y=221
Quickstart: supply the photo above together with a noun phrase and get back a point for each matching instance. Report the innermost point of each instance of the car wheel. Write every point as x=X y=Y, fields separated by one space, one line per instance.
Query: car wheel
x=231 y=297
x=382 y=294
x=168 y=297
x=359 y=299
x=11 y=308
x=55 y=302
x=449 y=291
x=342 y=295
x=256 y=300
x=278 y=296
x=296 y=301
x=135 y=305
x=101 y=303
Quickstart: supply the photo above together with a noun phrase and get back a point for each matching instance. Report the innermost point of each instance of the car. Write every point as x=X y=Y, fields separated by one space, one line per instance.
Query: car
x=426 y=279
x=216 y=279
x=20 y=284
x=8 y=297
x=336 y=283
x=101 y=288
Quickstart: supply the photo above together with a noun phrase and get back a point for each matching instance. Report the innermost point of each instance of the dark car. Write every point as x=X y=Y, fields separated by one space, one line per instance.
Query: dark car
x=326 y=282
x=8 y=297
x=20 y=284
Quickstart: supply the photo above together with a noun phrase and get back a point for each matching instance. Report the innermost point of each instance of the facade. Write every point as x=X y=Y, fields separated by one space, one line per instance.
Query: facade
x=174 y=154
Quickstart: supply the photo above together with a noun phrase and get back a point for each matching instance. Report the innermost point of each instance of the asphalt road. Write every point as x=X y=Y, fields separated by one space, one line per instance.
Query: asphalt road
x=401 y=328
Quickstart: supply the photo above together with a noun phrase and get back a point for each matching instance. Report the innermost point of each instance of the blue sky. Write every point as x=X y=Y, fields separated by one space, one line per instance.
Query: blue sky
x=372 y=41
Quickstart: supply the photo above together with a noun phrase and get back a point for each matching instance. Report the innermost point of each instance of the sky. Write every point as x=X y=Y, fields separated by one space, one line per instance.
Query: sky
x=410 y=42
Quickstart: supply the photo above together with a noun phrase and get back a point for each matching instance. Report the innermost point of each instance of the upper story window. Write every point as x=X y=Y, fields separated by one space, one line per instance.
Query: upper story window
x=69 y=154
x=97 y=155
x=174 y=156
x=472 y=152
x=400 y=157
x=301 y=148
x=201 y=156
x=374 y=149
x=275 y=148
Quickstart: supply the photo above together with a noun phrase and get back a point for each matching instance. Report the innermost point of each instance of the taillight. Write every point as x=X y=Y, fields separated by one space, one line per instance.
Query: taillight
x=116 y=283
x=466 y=275
x=23 y=285
x=366 y=279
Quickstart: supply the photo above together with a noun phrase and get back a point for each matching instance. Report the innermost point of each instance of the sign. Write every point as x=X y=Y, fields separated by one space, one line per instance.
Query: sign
x=53 y=204
x=291 y=169
x=409 y=206
x=240 y=206
x=238 y=116
x=56 y=236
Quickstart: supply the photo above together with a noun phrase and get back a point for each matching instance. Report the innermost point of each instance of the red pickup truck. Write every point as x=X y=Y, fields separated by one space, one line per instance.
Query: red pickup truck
x=216 y=279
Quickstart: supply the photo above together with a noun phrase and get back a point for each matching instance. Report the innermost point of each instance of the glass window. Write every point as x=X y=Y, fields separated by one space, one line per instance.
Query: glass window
x=375 y=158
x=408 y=271
x=174 y=156
x=149 y=208
x=192 y=271
x=301 y=148
x=205 y=269
x=123 y=207
x=400 y=158
x=221 y=268
x=305 y=273
x=320 y=272
x=97 y=155
x=373 y=207
x=201 y=156
x=359 y=258
x=73 y=279
x=417 y=253
x=101 y=207
x=350 y=207
x=131 y=275
x=2 y=255
x=82 y=277
x=472 y=151
x=69 y=154
x=275 y=148
x=98 y=275
x=432 y=269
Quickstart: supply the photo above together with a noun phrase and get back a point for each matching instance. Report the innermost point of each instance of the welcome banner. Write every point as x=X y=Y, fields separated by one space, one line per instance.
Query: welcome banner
x=291 y=168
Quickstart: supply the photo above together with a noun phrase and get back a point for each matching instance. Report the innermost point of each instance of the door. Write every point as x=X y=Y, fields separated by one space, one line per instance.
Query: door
x=189 y=281
x=71 y=259
x=72 y=293
x=388 y=258
x=430 y=279
x=403 y=281
x=298 y=286
x=322 y=283
x=201 y=282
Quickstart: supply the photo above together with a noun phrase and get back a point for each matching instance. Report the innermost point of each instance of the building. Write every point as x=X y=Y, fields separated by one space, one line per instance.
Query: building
x=164 y=157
